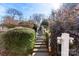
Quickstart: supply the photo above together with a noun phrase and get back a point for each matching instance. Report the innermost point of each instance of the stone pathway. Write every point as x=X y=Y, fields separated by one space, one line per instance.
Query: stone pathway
x=40 y=48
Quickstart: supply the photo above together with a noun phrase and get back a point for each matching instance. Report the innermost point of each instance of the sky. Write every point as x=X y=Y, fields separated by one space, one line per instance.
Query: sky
x=28 y=9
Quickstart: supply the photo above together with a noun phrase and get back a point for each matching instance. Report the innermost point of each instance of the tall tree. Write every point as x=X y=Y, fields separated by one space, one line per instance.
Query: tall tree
x=38 y=17
x=53 y=15
x=14 y=12
x=69 y=5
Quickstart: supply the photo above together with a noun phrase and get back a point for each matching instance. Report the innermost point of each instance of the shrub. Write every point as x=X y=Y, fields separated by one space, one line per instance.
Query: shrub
x=56 y=30
x=10 y=25
x=47 y=36
x=26 y=24
x=19 y=41
x=35 y=27
x=45 y=23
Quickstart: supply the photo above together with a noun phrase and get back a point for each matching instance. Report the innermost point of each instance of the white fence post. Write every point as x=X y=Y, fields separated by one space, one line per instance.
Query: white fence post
x=64 y=41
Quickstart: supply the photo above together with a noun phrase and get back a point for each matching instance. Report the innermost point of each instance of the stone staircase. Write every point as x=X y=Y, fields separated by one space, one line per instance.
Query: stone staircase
x=40 y=48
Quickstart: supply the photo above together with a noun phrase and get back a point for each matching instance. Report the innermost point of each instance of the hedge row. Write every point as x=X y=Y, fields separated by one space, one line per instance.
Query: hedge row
x=19 y=41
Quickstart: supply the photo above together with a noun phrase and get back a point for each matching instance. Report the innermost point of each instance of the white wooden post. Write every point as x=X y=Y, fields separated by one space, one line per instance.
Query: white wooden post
x=64 y=40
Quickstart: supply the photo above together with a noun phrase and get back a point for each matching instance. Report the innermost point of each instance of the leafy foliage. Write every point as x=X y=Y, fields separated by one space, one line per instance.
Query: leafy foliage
x=19 y=41
x=27 y=24
x=10 y=25
x=66 y=19
x=45 y=23
x=35 y=27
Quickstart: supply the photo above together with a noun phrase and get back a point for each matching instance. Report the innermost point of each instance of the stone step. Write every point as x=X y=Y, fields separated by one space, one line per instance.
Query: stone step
x=40 y=43
x=40 y=40
x=40 y=50
x=38 y=46
x=41 y=37
x=40 y=54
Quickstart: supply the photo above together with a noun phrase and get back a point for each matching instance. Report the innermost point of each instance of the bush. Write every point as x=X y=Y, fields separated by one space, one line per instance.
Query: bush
x=19 y=41
x=27 y=24
x=47 y=36
x=35 y=27
x=10 y=25
x=45 y=23
x=56 y=30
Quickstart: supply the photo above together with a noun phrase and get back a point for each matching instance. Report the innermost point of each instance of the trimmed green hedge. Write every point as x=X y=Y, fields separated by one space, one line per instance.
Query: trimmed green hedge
x=19 y=41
